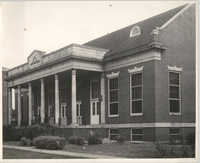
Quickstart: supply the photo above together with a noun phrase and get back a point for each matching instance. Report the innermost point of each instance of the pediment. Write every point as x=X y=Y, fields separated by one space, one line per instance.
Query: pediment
x=35 y=58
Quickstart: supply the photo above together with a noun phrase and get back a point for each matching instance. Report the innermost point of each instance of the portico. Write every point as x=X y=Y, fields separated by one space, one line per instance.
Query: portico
x=52 y=91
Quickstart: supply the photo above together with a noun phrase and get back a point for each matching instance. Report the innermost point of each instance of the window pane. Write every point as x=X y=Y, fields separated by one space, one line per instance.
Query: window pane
x=93 y=108
x=114 y=131
x=137 y=137
x=137 y=79
x=174 y=106
x=174 y=78
x=95 y=89
x=114 y=83
x=114 y=109
x=137 y=131
x=174 y=92
x=174 y=131
x=113 y=95
x=136 y=93
x=137 y=106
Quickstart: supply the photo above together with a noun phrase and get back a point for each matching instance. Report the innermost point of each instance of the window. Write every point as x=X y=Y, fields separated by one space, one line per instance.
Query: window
x=135 y=31
x=113 y=96
x=136 y=93
x=137 y=135
x=174 y=93
x=113 y=134
x=175 y=135
x=94 y=89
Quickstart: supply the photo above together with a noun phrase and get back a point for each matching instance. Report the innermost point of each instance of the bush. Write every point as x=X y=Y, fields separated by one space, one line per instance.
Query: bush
x=25 y=142
x=49 y=142
x=94 y=140
x=120 y=139
x=190 y=139
x=76 y=140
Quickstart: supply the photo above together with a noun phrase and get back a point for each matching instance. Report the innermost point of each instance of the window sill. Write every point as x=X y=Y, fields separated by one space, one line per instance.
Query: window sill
x=136 y=142
x=174 y=113
x=136 y=114
x=110 y=116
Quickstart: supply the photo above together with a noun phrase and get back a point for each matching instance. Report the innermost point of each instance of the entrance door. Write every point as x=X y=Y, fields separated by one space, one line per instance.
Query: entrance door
x=94 y=101
x=63 y=112
x=94 y=111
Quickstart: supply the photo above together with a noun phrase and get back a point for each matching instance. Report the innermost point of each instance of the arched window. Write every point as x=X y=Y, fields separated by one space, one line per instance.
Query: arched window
x=135 y=31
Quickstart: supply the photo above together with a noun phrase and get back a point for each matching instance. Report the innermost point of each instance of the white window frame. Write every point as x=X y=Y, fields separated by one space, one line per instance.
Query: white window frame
x=175 y=134
x=93 y=80
x=135 y=141
x=113 y=134
x=178 y=71
x=136 y=70
x=112 y=76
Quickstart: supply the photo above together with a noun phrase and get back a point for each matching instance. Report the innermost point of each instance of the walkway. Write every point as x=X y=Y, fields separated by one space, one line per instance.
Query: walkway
x=59 y=152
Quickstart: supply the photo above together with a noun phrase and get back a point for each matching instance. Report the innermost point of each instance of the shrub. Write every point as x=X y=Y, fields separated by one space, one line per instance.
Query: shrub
x=25 y=142
x=76 y=140
x=94 y=140
x=160 y=148
x=49 y=142
x=120 y=139
x=190 y=139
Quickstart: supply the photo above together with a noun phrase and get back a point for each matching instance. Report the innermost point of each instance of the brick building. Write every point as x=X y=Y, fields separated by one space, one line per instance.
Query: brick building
x=138 y=82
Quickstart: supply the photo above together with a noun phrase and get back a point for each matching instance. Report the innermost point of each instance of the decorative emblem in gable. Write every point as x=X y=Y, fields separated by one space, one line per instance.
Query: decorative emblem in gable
x=35 y=58
x=135 y=31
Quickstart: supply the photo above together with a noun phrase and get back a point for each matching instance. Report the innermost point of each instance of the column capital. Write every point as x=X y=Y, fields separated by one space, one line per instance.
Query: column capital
x=73 y=71
x=103 y=75
x=19 y=86
x=56 y=76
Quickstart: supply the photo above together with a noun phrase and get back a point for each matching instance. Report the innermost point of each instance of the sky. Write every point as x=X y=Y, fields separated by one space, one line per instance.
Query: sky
x=50 y=25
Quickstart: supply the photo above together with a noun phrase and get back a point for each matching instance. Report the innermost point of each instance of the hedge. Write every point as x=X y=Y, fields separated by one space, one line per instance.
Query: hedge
x=49 y=142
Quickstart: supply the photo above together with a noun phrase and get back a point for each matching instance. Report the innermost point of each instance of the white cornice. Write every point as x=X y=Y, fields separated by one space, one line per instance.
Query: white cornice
x=175 y=68
x=112 y=75
x=135 y=69
x=132 y=60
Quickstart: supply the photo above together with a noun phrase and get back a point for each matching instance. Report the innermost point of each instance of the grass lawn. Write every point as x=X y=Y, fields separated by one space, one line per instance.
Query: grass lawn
x=127 y=149
x=21 y=154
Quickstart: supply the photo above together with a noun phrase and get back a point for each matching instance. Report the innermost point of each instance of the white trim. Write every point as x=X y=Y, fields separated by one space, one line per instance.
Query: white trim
x=133 y=60
x=135 y=141
x=136 y=114
x=130 y=87
x=137 y=125
x=113 y=75
x=178 y=99
x=135 y=31
x=135 y=69
x=113 y=115
x=174 y=68
x=175 y=16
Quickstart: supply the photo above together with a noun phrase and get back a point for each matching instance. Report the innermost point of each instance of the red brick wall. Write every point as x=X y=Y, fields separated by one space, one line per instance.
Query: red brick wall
x=124 y=95
x=179 y=38
x=4 y=98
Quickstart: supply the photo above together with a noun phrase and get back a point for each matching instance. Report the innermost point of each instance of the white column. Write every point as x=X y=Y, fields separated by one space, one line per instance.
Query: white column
x=9 y=105
x=19 y=106
x=29 y=104
x=56 y=99
x=74 y=118
x=42 y=107
x=103 y=98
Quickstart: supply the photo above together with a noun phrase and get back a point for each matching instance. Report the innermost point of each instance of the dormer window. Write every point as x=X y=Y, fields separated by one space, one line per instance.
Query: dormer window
x=135 y=31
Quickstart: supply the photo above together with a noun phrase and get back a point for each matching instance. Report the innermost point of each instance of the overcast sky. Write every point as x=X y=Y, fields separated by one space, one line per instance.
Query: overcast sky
x=48 y=26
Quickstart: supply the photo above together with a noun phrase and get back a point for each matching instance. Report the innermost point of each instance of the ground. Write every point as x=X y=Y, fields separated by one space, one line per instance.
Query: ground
x=20 y=154
x=125 y=150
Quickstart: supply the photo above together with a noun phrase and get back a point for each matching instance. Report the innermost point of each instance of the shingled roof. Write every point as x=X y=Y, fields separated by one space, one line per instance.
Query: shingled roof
x=119 y=41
